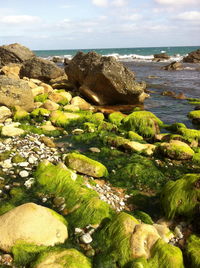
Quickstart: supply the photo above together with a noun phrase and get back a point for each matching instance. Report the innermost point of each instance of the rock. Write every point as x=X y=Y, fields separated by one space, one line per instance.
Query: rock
x=48 y=142
x=11 y=131
x=47 y=88
x=71 y=108
x=195 y=116
x=161 y=56
x=57 y=59
x=86 y=238
x=94 y=150
x=63 y=258
x=66 y=61
x=173 y=66
x=15 y=92
x=50 y=105
x=176 y=149
x=85 y=165
x=181 y=96
x=24 y=174
x=193 y=57
x=104 y=80
x=168 y=93
x=59 y=98
x=81 y=104
x=4 y=113
x=37 y=91
x=31 y=223
x=11 y=70
x=41 y=69
x=14 y=53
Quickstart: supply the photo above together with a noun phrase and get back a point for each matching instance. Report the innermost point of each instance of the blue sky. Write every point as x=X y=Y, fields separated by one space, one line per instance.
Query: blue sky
x=68 y=24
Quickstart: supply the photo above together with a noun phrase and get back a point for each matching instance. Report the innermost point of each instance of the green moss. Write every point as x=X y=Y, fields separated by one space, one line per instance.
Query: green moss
x=41 y=98
x=196 y=158
x=190 y=134
x=176 y=150
x=17 y=158
x=83 y=204
x=175 y=127
x=181 y=197
x=97 y=117
x=89 y=127
x=40 y=131
x=115 y=237
x=5 y=155
x=85 y=165
x=138 y=263
x=194 y=102
x=106 y=126
x=5 y=207
x=193 y=99
x=39 y=114
x=194 y=114
x=24 y=253
x=134 y=136
x=143 y=122
x=116 y=118
x=62 y=119
x=165 y=255
x=192 y=250
x=144 y=217
x=20 y=114
x=63 y=258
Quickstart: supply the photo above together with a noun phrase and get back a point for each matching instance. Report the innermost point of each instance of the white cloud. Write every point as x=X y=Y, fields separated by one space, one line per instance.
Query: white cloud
x=100 y=3
x=119 y=3
x=19 y=19
x=132 y=17
x=177 y=2
x=189 y=16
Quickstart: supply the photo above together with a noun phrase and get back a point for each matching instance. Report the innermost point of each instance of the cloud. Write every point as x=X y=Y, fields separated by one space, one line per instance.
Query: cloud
x=189 y=16
x=100 y=3
x=19 y=19
x=119 y=3
x=177 y=2
x=132 y=17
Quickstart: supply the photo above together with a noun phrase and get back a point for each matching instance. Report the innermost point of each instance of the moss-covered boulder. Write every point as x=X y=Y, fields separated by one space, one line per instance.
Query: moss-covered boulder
x=176 y=150
x=85 y=165
x=62 y=119
x=181 y=197
x=40 y=112
x=63 y=258
x=125 y=239
x=20 y=114
x=196 y=159
x=34 y=224
x=144 y=123
x=133 y=136
x=190 y=134
x=116 y=118
x=82 y=204
x=192 y=250
x=195 y=116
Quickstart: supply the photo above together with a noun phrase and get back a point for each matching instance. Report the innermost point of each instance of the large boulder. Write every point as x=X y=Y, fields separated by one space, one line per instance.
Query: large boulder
x=31 y=223
x=104 y=80
x=15 y=92
x=41 y=69
x=14 y=53
x=193 y=57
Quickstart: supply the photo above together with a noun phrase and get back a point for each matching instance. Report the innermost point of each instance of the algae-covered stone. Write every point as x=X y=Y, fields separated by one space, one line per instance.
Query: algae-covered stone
x=33 y=224
x=83 y=205
x=85 y=165
x=134 y=136
x=143 y=122
x=195 y=116
x=176 y=150
x=40 y=112
x=192 y=250
x=20 y=114
x=190 y=134
x=116 y=118
x=181 y=197
x=62 y=119
x=63 y=258
x=196 y=158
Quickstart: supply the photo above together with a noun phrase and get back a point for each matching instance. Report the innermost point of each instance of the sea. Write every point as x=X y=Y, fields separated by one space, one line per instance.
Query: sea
x=139 y=60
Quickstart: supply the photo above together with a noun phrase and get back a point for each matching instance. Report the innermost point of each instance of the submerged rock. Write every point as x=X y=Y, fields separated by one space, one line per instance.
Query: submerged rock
x=14 y=53
x=41 y=69
x=173 y=66
x=104 y=80
x=15 y=92
x=33 y=224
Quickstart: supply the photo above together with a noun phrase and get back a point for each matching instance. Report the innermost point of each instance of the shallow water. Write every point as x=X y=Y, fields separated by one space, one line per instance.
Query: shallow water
x=169 y=109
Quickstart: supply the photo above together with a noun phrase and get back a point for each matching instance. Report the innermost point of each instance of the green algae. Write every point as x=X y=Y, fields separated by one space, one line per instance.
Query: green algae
x=194 y=115
x=37 y=130
x=83 y=204
x=142 y=216
x=4 y=155
x=64 y=258
x=41 y=98
x=20 y=114
x=192 y=251
x=86 y=165
x=133 y=136
x=196 y=159
x=144 y=123
x=182 y=196
x=116 y=118
x=175 y=127
x=40 y=112
x=165 y=255
x=17 y=158
x=190 y=134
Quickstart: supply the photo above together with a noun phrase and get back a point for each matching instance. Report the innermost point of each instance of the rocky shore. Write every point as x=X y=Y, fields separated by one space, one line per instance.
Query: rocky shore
x=82 y=188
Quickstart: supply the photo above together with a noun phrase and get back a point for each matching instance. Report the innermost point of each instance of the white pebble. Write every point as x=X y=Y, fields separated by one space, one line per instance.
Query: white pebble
x=23 y=174
x=86 y=238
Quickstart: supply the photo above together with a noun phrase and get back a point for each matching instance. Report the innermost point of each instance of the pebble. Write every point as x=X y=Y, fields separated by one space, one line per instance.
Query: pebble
x=95 y=150
x=28 y=184
x=23 y=164
x=78 y=231
x=23 y=174
x=86 y=238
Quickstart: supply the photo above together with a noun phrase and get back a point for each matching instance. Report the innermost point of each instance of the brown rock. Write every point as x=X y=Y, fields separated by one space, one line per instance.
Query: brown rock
x=4 y=113
x=48 y=142
x=15 y=92
x=11 y=70
x=104 y=80
x=193 y=57
x=162 y=56
x=173 y=66
x=41 y=69
x=50 y=105
x=81 y=103
x=14 y=53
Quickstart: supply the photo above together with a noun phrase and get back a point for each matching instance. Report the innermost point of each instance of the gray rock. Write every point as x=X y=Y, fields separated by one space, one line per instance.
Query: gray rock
x=193 y=57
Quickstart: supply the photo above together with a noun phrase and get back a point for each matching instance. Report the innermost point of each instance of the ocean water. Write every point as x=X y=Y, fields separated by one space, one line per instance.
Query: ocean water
x=139 y=60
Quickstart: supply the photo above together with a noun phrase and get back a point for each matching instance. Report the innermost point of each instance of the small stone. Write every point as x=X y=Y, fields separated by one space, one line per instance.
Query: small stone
x=78 y=231
x=23 y=174
x=122 y=203
x=6 y=259
x=95 y=150
x=178 y=232
x=86 y=238
x=77 y=131
x=29 y=183
x=23 y=164
x=58 y=201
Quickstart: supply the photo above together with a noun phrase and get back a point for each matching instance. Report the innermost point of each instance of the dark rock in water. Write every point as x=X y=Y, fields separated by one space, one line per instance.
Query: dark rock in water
x=66 y=61
x=168 y=93
x=15 y=92
x=14 y=53
x=162 y=56
x=41 y=69
x=57 y=59
x=104 y=80
x=173 y=66
x=197 y=107
x=181 y=96
x=193 y=57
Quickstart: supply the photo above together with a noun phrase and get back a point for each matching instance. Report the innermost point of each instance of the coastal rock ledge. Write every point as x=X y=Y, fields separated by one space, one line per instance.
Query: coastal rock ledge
x=104 y=80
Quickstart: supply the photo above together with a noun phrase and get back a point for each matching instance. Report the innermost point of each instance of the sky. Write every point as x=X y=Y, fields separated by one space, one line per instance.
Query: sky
x=76 y=24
